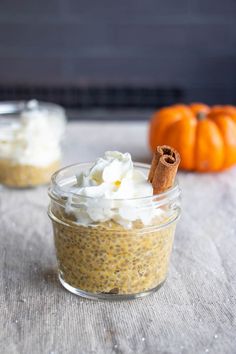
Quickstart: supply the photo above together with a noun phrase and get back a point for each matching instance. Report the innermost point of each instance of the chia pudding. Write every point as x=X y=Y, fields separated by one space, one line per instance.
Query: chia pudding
x=17 y=175
x=113 y=237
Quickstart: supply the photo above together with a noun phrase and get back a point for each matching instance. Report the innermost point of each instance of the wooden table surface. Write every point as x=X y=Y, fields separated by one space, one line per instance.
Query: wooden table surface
x=194 y=312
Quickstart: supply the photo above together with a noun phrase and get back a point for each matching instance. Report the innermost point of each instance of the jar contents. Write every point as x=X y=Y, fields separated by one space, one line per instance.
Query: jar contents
x=112 y=235
x=30 y=145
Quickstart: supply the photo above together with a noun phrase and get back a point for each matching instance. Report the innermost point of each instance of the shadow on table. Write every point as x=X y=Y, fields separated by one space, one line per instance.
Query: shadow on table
x=50 y=276
x=46 y=278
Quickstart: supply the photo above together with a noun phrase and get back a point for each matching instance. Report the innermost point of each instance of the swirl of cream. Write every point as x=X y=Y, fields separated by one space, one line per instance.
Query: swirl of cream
x=112 y=184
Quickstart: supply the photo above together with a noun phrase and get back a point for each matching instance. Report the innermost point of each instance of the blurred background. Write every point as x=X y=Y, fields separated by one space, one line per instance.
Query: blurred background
x=131 y=55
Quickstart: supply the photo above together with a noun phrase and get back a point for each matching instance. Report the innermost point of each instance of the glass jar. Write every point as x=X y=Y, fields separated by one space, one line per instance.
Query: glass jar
x=123 y=255
x=30 y=136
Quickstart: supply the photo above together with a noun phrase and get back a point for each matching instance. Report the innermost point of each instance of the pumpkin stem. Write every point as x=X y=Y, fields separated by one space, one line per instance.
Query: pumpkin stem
x=201 y=115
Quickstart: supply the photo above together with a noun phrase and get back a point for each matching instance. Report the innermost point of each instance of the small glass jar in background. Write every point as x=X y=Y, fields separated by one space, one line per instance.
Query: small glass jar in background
x=30 y=138
x=124 y=254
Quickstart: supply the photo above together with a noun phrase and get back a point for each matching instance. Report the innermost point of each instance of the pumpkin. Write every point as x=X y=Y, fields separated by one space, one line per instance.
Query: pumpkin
x=204 y=136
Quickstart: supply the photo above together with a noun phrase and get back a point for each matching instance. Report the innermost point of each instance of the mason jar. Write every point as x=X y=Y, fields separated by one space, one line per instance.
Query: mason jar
x=107 y=258
x=30 y=142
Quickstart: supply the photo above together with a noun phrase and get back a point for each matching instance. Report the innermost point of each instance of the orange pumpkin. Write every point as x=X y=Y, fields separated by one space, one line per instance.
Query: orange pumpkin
x=204 y=136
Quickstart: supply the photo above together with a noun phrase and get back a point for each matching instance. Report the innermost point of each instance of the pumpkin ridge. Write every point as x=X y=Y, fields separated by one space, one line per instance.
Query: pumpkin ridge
x=209 y=144
x=228 y=153
x=223 y=140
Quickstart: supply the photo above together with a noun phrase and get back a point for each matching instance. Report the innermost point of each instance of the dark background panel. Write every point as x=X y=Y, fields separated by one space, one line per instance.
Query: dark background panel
x=188 y=45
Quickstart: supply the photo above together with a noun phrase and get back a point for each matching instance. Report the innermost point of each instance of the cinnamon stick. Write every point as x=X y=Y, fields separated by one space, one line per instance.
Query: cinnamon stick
x=160 y=151
x=164 y=167
x=155 y=160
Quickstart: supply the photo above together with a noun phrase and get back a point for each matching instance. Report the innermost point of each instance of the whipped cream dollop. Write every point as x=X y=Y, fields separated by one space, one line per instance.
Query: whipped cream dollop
x=34 y=137
x=112 y=189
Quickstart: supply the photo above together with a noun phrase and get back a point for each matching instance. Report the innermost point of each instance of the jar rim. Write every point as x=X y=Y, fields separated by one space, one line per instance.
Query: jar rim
x=15 y=107
x=56 y=191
